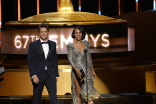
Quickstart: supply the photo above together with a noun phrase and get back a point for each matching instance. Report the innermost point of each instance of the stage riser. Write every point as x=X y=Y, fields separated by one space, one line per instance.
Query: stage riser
x=108 y=81
x=112 y=100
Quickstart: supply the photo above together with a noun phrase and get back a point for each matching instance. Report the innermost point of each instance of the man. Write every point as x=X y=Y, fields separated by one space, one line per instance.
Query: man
x=43 y=65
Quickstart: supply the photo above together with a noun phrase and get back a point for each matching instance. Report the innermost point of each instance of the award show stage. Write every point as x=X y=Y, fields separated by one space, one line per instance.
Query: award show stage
x=122 y=48
x=121 y=98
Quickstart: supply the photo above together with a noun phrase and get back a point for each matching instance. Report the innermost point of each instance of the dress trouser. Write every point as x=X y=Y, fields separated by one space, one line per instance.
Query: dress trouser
x=51 y=87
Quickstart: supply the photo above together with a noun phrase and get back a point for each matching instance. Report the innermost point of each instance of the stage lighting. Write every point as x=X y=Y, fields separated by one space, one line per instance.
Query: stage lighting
x=99 y=12
x=154 y=4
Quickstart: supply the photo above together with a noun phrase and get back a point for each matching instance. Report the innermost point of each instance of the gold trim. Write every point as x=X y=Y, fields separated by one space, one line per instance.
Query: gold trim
x=83 y=78
x=66 y=19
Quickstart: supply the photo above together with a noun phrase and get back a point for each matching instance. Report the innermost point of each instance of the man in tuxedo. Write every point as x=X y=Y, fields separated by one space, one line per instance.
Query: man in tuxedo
x=43 y=65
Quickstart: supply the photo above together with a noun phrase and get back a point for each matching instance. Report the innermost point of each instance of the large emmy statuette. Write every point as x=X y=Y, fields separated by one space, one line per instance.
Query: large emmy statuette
x=65 y=6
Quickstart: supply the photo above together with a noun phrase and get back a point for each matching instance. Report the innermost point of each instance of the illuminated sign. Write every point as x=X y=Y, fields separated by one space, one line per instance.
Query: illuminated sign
x=101 y=39
x=19 y=44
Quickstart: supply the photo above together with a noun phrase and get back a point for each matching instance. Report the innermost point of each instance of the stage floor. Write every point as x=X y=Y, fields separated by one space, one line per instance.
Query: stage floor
x=120 y=98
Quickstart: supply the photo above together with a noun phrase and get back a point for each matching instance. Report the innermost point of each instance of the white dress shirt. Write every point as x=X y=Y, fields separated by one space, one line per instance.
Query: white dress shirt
x=45 y=49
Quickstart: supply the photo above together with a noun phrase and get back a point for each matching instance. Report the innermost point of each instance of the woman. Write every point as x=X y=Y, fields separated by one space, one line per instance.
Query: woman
x=77 y=59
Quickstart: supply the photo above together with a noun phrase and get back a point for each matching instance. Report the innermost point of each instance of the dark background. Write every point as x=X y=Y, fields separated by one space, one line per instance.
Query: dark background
x=108 y=7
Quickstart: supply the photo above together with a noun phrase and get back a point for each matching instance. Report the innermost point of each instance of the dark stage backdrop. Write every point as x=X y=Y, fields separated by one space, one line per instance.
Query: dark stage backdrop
x=108 y=7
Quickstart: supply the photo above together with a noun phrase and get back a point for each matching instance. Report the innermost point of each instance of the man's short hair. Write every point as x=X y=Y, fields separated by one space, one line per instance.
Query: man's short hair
x=43 y=25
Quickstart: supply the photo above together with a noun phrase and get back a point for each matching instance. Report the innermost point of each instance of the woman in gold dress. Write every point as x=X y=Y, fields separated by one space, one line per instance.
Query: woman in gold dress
x=77 y=59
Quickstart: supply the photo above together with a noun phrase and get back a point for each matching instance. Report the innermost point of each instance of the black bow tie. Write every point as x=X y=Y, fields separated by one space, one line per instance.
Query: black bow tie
x=44 y=43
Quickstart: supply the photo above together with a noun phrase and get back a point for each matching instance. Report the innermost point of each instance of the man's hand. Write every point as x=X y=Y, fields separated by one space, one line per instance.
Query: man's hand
x=35 y=79
x=56 y=79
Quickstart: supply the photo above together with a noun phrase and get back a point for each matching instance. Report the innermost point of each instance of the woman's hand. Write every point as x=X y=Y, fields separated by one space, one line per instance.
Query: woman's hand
x=79 y=73
x=94 y=74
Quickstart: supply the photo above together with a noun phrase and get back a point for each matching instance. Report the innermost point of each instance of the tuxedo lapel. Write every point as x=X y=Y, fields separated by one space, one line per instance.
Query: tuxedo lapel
x=49 y=48
x=41 y=48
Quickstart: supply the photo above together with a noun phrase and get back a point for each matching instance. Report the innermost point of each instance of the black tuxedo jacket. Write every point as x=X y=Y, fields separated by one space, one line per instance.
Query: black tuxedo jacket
x=37 y=61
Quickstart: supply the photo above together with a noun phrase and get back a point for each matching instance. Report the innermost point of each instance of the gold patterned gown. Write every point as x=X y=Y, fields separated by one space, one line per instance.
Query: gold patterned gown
x=78 y=59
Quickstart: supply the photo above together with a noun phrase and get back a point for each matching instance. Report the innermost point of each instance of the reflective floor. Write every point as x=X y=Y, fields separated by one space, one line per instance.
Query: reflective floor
x=120 y=98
